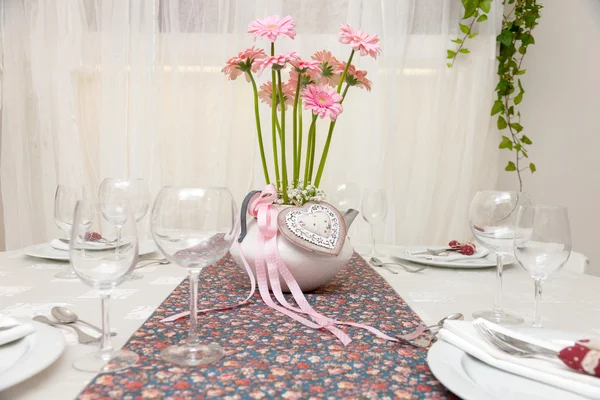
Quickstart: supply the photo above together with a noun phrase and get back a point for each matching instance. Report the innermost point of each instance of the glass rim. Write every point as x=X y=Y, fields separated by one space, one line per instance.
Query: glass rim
x=501 y=191
x=546 y=206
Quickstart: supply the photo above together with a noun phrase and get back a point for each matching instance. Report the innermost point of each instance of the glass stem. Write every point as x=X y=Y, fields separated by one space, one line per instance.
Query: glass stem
x=373 y=253
x=193 y=334
x=538 y=300
x=499 y=269
x=105 y=344
x=118 y=229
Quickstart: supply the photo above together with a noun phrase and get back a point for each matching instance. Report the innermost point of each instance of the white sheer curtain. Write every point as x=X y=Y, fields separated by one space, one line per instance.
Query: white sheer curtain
x=100 y=88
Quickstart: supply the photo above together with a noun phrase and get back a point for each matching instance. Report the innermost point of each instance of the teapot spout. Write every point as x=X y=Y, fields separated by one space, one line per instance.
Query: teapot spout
x=349 y=217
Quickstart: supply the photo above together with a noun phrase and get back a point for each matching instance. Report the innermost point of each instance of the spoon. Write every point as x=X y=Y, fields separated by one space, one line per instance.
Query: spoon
x=439 y=325
x=66 y=316
x=376 y=262
x=82 y=337
x=161 y=261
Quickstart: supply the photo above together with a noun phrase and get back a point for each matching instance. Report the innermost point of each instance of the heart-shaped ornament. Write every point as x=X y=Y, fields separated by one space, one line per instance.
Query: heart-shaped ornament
x=316 y=226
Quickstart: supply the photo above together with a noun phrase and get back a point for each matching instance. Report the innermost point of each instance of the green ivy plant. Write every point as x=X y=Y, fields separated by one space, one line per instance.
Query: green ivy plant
x=518 y=21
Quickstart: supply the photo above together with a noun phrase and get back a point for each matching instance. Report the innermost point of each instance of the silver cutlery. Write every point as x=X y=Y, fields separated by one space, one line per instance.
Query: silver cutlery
x=107 y=242
x=156 y=261
x=65 y=316
x=82 y=337
x=430 y=251
x=531 y=351
x=435 y=329
x=376 y=262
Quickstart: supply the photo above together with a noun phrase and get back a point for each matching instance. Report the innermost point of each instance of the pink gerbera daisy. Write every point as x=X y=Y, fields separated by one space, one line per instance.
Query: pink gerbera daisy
x=355 y=77
x=266 y=92
x=328 y=65
x=323 y=101
x=243 y=62
x=272 y=27
x=279 y=61
x=360 y=41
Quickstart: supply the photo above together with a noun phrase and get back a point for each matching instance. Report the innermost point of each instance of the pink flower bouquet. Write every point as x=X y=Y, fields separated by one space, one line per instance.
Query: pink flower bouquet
x=315 y=85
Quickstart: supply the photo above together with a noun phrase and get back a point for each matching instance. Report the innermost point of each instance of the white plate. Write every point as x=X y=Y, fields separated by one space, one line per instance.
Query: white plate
x=46 y=344
x=44 y=250
x=469 y=378
x=483 y=262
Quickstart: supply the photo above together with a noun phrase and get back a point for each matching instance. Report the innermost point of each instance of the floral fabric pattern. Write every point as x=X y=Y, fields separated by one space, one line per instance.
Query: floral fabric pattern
x=269 y=356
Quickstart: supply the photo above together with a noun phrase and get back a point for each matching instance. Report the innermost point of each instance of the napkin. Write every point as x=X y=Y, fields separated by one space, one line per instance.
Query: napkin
x=60 y=245
x=462 y=335
x=454 y=255
x=11 y=329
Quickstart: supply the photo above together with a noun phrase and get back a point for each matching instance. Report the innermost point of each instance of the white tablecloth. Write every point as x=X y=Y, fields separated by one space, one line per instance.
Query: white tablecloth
x=27 y=288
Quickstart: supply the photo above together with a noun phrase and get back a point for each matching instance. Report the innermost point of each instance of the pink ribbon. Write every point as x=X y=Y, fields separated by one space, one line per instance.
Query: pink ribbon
x=270 y=267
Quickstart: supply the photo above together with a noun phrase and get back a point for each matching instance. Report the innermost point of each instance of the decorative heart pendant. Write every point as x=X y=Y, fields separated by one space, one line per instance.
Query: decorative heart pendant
x=318 y=227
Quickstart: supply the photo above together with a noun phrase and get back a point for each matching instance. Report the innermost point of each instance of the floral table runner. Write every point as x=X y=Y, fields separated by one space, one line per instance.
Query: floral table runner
x=267 y=355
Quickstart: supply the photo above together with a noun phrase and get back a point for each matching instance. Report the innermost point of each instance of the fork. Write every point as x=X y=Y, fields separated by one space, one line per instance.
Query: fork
x=490 y=338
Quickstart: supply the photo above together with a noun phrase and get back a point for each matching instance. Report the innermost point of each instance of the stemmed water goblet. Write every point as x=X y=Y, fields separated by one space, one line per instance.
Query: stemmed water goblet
x=65 y=199
x=103 y=269
x=374 y=211
x=345 y=197
x=136 y=191
x=492 y=217
x=542 y=245
x=193 y=228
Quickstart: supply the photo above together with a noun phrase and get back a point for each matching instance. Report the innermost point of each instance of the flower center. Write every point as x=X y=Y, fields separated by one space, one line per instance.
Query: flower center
x=271 y=27
x=322 y=100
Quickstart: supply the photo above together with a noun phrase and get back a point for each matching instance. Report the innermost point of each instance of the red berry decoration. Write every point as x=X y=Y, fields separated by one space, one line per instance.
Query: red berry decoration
x=92 y=236
x=96 y=236
x=467 y=250
x=472 y=245
x=454 y=243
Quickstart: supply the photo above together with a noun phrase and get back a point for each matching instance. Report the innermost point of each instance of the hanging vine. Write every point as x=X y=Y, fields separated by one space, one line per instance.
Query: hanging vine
x=518 y=22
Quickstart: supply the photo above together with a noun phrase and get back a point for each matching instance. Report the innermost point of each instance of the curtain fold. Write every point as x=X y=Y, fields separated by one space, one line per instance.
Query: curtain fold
x=102 y=88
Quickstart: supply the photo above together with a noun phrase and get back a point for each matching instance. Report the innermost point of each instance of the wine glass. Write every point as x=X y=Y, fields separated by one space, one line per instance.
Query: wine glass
x=374 y=211
x=103 y=269
x=492 y=217
x=65 y=199
x=136 y=191
x=193 y=228
x=542 y=245
x=346 y=196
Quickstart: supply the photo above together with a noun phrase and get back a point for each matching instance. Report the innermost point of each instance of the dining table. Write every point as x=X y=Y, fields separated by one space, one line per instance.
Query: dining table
x=28 y=288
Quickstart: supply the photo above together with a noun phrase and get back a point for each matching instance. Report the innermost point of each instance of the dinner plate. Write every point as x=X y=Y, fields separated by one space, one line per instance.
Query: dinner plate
x=469 y=378
x=483 y=262
x=46 y=251
x=45 y=345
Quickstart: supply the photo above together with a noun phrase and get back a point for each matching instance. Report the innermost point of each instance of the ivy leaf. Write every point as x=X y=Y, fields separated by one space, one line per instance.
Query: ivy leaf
x=464 y=28
x=482 y=17
x=520 y=86
x=449 y=65
x=472 y=35
x=532 y=167
x=470 y=7
x=498 y=107
x=527 y=39
x=457 y=41
x=516 y=126
x=521 y=72
x=465 y=51
x=506 y=143
x=451 y=54
x=505 y=37
x=511 y=166
x=518 y=147
x=518 y=98
x=485 y=5
x=526 y=140
x=501 y=122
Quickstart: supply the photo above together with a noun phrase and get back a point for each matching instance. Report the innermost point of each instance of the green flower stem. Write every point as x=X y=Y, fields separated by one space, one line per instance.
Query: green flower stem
x=299 y=140
x=324 y=155
x=283 y=155
x=295 y=118
x=308 y=147
x=343 y=77
x=259 y=131
x=328 y=142
x=274 y=120
x=313 y=143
